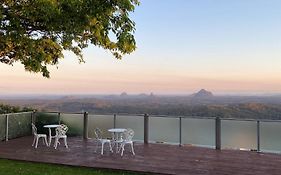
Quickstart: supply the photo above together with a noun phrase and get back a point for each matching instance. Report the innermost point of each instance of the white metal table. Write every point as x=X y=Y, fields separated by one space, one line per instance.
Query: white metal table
x=117 y=136
x=50 y=131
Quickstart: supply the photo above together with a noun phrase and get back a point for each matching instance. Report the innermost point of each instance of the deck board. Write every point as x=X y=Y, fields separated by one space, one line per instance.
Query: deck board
x=152 y=158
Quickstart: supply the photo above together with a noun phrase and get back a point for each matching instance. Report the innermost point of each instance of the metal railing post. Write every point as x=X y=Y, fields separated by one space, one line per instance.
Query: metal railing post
x=258 y=136
x=33 y=117
x=59 y=118
x=146 y=129
x=7 y=128
x=218 y=133
x=114 y=121
x=85 y=126
x=180 y=141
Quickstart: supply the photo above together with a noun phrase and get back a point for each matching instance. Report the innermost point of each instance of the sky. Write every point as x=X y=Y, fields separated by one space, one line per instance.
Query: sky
x=182 y=46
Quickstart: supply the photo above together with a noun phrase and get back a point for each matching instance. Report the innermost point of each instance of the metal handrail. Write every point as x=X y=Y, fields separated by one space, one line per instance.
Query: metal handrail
x=146 y=120
x=167 y=116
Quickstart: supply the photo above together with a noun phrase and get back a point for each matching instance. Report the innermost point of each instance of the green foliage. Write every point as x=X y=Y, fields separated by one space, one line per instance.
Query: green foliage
x=11 y=167
x=45 y=119
x=4 y=109
x=35 y=32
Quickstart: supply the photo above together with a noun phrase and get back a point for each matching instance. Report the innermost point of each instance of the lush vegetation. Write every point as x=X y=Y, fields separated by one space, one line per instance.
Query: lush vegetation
x=225 y=107
x=36 y=32
x=4 y=109
x=9 y=167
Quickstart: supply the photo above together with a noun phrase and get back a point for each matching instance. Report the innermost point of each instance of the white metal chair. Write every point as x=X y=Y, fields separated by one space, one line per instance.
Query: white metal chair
x=101 y=140
x=38 y=136
x=127 y=139
x=61 y=134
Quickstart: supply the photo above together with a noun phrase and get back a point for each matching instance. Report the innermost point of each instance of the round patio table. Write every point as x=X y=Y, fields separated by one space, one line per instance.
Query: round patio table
x=50 y=131
x=117 y=136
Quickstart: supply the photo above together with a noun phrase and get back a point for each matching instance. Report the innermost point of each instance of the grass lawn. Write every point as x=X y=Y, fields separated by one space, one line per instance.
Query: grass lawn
x=11 y=167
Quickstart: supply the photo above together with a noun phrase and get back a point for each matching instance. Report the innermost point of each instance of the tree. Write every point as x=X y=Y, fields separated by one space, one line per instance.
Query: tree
x=35 y=32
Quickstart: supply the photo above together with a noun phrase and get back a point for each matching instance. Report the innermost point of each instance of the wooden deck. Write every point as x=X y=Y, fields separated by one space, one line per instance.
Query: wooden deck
x=152 y=158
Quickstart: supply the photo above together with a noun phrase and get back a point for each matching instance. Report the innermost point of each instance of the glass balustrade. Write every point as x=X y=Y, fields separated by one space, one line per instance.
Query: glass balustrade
x=74 y=123
x=270 y=136
x=235 y=134
x=131 y=121
x=103 y=122
x=19 y=125
x=2 y=127
x=44 y=118
x=164 y=130
x=239 y=134
x=200 y=132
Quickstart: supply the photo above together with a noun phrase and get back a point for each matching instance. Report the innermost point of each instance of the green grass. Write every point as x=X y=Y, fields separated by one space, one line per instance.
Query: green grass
x=11 y=167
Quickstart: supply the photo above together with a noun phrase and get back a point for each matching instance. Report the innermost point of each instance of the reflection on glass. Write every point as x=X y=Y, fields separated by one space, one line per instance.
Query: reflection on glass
x=239 y=134
x=199 y=132
x=104 y=122
x=74 y=123
x=133 y=122
x=164 y=130
x=270 y=136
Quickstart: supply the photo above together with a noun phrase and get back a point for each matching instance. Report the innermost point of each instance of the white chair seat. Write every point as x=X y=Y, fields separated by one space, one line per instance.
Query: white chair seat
x=61 y=134
x=104 y=140
x=128 y=136
x=99 y=139
x=38 y=136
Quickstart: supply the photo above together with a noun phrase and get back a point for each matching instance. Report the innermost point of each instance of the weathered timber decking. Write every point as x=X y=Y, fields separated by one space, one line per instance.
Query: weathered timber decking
x=154 y=158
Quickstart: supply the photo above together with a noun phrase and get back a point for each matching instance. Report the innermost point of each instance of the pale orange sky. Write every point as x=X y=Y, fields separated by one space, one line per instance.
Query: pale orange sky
x=225 y=47
x=103 y=74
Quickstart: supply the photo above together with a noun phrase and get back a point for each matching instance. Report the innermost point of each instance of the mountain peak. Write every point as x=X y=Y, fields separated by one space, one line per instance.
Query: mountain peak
x=123 y=94
x=203 y=94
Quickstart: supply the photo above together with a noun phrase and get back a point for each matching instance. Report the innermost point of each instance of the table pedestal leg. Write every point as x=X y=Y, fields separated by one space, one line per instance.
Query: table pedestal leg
x=50 y=136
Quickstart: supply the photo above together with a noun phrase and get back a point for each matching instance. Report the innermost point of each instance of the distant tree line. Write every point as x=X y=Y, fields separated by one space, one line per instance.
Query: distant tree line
x=4 y=109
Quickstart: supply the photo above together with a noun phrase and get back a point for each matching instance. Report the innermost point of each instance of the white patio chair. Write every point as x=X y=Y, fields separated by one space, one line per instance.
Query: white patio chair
x=101 y=140
x=127 y=139
x=61 y=134
x=38 y=136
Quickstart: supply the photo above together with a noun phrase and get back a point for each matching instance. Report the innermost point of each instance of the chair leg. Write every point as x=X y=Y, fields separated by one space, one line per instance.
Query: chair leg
x=117 y=149
x=56 y=143
x=102 y=148
x=65 y=143
x=36 y=144
x=34 y=139
x=122 y=147
x=110 y=147
x=45 y=139
x=132 y=147
x=97 y=146
x=50 y=141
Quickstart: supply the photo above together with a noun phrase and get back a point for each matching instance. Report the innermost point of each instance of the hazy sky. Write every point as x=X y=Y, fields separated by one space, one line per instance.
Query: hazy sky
x=183 y=46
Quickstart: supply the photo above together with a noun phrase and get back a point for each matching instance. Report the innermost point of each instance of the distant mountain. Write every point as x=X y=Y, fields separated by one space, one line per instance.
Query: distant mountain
x=203 y=94
x=124 y=94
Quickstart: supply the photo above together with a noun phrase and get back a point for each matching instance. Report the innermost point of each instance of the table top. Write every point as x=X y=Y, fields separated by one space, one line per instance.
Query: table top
x=117 y=130
x=51 y=126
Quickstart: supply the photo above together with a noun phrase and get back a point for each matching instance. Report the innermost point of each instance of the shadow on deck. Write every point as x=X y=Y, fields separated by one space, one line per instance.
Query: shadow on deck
x=152 y=158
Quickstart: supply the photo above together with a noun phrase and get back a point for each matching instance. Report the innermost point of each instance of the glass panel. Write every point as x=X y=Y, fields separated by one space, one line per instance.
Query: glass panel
x=43 y=118
x=199 y=132
x=74 y=123
x=19 y=125
x=133 y=122
x=2 y=127
x=270 y=137
x=239 y=134
x=103 y=122
x=163 y=129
